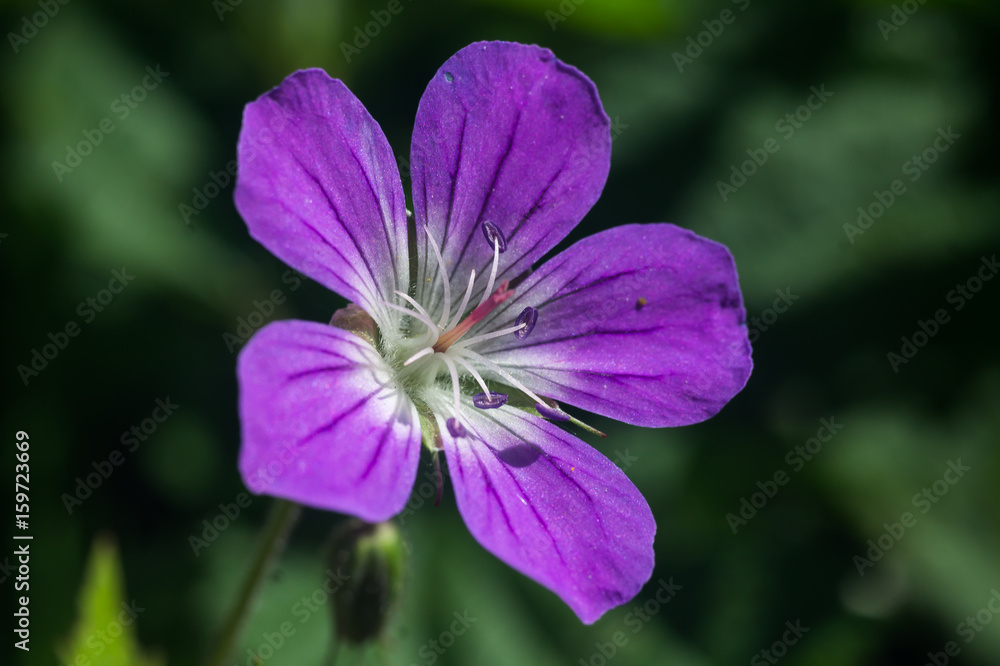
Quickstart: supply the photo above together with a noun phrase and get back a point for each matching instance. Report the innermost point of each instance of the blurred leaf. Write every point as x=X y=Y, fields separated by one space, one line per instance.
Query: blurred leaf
x=120 y=203
x=105 y=631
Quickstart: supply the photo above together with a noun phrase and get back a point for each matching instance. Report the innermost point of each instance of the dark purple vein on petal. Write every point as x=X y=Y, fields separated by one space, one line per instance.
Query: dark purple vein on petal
x=518 y=485
x=332 y=247
x=393 y=250
x=317 y=371
x=491 y=490
x=345 y=227
x=562 y=292
x=486 y=199
x=575 y=336
x=427 y=257
x=513 y=268
x=321 y=350
x=340 y=417
x=400 y=408
x=375 y=456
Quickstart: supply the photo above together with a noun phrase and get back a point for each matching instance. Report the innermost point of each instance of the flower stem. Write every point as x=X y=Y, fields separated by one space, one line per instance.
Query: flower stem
x=272 y=542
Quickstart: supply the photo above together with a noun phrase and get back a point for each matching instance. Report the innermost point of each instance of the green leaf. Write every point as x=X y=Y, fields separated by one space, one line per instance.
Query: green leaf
x=105 y=631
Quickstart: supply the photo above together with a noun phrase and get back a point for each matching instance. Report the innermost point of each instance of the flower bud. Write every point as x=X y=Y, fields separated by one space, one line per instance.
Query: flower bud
x=372 y=558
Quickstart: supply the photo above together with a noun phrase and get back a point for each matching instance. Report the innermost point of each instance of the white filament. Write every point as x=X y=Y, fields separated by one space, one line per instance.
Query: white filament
x=423 y=316
x=458 y=354
x=479 y=358
x=493 y=271
x=445 y=280
x=465 y=301
x=420 y=354
x=465 y=342
x=476 y=375
x=413 y=313
x=454 y=385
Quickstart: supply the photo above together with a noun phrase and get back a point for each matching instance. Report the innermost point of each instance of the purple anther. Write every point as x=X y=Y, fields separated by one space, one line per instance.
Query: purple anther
x=551 y=413
x=455 y=428
x=494 y=236
x=491 y=401
x=528 y=317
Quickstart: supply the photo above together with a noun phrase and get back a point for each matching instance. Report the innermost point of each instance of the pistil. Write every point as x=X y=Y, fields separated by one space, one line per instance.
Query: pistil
x=448 y=338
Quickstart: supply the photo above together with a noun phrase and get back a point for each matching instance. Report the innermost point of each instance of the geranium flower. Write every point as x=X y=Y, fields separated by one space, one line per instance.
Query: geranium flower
x=468 y=349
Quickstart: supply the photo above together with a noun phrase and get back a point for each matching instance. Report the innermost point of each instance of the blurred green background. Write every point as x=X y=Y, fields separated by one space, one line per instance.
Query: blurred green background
x=690 y=89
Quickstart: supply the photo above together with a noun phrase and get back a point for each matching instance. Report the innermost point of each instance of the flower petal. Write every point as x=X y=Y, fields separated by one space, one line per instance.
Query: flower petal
x=508 y=134
x=324 y=423
x=552 y=507
x=318 y=186
x=641 y=323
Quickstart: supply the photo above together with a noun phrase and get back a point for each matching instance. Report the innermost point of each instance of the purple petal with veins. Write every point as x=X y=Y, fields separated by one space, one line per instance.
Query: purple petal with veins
x=323 y=422
x=553 y=508
x=318 y=186
x=505 y=133
x=675 y=360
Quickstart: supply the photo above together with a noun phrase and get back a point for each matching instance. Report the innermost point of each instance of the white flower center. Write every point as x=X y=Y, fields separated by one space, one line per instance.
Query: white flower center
x=426 y=359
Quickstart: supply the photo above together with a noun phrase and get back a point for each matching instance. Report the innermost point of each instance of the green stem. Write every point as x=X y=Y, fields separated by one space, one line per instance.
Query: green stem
x=272 y=542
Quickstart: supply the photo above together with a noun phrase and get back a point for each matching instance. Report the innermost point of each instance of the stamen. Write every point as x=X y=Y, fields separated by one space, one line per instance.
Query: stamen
x=527 y=320
x=465 y=301
x=487 y=336
x=413 y=313
x=456 y=429
x=489 y=400
x=479 y=358
x=493 y=271
x=420 y=354
x=477 y=315
x=494 y=235
x=475 y=375
x=443 y=273
x=551 y=413
x=423 y=316
x=454 y=385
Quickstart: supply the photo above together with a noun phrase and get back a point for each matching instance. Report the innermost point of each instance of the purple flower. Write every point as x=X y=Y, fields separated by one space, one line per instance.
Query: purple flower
x=641 y=323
